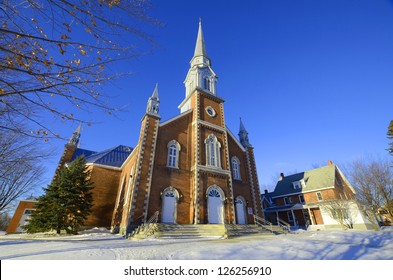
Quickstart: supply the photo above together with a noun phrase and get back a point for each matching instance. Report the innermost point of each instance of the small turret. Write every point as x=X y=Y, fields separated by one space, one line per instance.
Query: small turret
x=153 y=103
x=243 y=135
x=74 y=140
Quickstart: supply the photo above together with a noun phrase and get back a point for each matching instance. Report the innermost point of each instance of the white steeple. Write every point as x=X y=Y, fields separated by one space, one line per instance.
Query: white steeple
x=153 y=103
x=200 y=75
x=200 y=56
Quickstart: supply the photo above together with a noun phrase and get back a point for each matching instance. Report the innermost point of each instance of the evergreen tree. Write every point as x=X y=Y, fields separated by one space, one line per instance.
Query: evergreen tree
x=66 y=203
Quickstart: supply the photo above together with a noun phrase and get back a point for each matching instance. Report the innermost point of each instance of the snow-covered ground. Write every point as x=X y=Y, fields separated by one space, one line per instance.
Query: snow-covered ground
x=99 y=244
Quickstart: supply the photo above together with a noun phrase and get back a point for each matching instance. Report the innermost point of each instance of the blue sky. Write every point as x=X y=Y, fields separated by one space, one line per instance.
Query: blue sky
x=312 y=80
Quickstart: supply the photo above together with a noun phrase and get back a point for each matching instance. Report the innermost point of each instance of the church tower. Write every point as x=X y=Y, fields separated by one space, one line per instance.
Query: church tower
x=189 y=169
x=200 y=75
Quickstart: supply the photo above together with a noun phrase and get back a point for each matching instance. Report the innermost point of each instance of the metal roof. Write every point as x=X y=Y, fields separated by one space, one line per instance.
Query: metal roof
x=114 y=157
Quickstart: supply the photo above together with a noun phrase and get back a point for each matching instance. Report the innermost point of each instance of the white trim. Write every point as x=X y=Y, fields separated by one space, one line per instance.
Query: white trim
x=211 y=169
x=235 y=139
x=176 y=156
x=104 y=166
x=210 y=125
x=129 y=157
x=175 y=118
x=213 y=151
x=310 y=191
x=237 y=175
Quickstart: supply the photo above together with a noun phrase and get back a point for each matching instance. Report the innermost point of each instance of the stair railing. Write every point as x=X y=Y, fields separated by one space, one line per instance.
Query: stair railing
x=284 y=225
x=149 y=227
x=263 y=223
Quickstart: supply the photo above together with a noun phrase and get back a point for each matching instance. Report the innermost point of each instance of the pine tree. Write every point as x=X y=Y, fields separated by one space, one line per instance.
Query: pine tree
x=66 y=203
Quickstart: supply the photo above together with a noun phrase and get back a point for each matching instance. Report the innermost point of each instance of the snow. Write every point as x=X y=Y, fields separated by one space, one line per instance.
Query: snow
x=100 y=244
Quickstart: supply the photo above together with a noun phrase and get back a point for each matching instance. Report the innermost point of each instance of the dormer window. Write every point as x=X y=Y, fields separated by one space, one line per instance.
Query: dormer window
x=299 y=184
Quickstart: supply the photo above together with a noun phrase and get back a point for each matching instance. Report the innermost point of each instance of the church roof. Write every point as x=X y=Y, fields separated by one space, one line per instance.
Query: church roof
x=81 y=152
x=114 y=157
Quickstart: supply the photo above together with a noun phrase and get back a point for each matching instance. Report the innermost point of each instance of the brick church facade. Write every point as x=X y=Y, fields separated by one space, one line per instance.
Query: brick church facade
x=191 y=168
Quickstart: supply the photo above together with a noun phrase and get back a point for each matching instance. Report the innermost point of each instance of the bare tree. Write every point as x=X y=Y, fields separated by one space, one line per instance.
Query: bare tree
x=54 y=56
x=373 y=181
x=342 y=211
x=21 y=167
x=5 y=219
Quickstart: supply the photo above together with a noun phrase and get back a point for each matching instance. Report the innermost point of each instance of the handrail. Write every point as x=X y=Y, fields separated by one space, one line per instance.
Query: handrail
x=269 y=225
x=263 y=223
x=147 y=227
x=283 y=224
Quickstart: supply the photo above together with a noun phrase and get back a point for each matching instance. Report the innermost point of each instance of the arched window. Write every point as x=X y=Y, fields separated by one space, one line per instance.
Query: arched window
x=206 y=83
x=213 y=151
x=173 y=154
x=236 y=168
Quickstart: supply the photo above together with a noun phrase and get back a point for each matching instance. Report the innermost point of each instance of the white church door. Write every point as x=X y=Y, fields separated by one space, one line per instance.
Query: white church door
x=240 y=211
x=215 y=206
x=169 y=206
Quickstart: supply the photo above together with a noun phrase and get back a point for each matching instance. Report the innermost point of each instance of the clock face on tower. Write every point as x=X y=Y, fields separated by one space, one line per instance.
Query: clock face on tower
x=210 y=111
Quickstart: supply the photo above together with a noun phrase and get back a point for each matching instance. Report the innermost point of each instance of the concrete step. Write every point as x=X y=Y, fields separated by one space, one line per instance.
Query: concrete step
x=191 y=231
x=239 y=230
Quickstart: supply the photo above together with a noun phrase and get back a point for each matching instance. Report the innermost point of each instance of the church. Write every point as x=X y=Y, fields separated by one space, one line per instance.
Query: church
x=190 y=169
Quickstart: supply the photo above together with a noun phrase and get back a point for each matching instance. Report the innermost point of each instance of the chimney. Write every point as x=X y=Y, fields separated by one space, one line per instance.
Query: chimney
x=266 y=191
x=281 y=176
x=330 y=162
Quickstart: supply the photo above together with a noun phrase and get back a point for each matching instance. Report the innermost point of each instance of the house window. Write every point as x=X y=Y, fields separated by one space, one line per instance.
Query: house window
x=29 y=211
x=236 y=168
x=299 y=184
x=287 y=200
x=296 y=185
x=173 y=154
x=213 y=151
x=290 y=216
x=301 y=198
x=319 y=196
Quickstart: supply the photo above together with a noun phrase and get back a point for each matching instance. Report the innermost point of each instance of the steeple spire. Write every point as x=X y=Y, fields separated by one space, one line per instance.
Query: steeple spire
x=200 y=76
x=74 y=140
x=153 y=103
x=200 y=48
x=243 y=135
x=200 y=55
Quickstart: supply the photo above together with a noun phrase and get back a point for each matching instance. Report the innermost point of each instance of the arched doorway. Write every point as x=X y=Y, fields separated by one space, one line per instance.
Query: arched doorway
x=215 y=205
x=240 y=211
x=170 y=197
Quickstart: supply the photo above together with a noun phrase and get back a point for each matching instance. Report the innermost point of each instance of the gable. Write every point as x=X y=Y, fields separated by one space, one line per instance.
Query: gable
x=313 y=180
